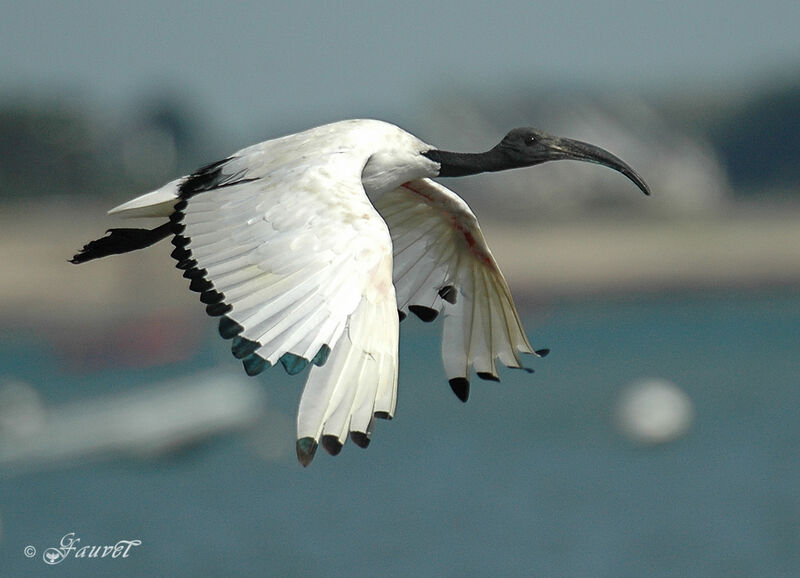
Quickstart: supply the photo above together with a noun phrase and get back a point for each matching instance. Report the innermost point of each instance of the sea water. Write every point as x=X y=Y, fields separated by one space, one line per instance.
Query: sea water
x=529 y=478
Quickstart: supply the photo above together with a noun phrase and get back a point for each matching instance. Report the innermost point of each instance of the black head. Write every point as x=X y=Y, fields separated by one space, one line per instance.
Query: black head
x=526 y=147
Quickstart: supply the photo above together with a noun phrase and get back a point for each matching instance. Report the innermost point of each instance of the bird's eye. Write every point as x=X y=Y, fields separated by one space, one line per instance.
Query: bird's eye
x=530 y=140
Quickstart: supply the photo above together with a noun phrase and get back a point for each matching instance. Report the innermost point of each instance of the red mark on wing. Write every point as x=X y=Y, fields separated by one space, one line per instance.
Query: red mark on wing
x=416 y=191
x=474 y=247
x=472 y=244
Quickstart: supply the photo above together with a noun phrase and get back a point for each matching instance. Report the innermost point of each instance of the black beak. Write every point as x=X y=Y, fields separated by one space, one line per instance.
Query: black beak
x=565 y=148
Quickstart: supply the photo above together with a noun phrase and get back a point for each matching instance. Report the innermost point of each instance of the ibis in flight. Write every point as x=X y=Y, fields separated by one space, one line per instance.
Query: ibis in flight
x=312 y=247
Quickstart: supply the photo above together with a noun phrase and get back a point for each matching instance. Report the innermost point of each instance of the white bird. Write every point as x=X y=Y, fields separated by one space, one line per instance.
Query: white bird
x=307 y=247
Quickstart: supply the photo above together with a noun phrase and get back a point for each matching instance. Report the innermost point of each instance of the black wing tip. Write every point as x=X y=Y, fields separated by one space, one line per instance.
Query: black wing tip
x=322 y=355
x=383 y=415
x=426 y=314
x=199 y=283
x=306 y=448
x=460 y=386
x=186 y=263
x=255 y=364
x=360 y=438
x=211 y=297
x=486 y=376
x=217 y=309
x=242 y=347
x=180 y=242
x=542 y=352
x=293 y=364
x=332 y=445
x=228 y=328
x=193 y=273
x=449 y=294
x=180 y=254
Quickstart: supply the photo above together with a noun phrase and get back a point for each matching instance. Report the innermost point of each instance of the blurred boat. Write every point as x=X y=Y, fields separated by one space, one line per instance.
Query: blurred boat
x=153 y=421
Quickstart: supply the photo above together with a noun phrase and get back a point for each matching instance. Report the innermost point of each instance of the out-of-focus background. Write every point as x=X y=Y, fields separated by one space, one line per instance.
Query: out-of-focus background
x=660 y=437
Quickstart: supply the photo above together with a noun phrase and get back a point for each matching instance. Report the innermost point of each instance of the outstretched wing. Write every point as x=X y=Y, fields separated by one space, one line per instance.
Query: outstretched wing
x=442 y=264
x=297 y=264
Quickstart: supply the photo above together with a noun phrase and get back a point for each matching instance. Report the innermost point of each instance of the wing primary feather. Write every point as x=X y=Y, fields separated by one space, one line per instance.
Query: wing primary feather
x=242 y=347
x=255 y=364
x=217 y=309
x=199 y=283
x=322 y=356
x=449 y=294
x=360 y=438
x=180 y=241
x=194 y=273
x=228 y=328
x=186 y=264
x=211 y=297
x=306 y=448
x=293 y=364
x=332 y=444
x=180 y=254
x=460 y=386
x=426 y=314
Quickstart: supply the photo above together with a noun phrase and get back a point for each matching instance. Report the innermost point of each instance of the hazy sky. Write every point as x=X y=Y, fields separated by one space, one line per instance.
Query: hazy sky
x=257 y=63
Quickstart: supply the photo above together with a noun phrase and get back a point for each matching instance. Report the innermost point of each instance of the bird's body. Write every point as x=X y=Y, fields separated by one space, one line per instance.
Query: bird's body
x=307 y=246
x=343 y=148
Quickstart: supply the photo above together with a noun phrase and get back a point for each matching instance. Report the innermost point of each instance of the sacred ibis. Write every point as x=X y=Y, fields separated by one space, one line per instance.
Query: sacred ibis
x=308 y=246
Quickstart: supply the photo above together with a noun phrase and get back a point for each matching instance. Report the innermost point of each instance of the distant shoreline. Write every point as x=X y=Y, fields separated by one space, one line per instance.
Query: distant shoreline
x=741 y=246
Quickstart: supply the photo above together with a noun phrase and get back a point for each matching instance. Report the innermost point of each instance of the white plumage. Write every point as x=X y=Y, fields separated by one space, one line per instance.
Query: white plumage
x=307 y=246
x=442 y=262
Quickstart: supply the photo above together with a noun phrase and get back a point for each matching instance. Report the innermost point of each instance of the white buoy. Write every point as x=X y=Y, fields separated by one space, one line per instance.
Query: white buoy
x=22 y=410
x=654 y=411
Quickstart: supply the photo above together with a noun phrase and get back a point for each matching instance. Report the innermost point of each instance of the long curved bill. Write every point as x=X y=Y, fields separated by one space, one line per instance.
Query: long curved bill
x=565 y=148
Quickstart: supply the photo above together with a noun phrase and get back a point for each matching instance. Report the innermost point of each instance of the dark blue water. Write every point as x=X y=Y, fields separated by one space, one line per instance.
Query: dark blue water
x=528 y=478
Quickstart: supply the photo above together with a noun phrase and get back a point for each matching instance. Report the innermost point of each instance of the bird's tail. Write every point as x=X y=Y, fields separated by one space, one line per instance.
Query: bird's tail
x=122 y=241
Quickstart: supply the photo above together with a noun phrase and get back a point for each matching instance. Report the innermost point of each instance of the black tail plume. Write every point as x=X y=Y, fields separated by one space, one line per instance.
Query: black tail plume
x=122 y=241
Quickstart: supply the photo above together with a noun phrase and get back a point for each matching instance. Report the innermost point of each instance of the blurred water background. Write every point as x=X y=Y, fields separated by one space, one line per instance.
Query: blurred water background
x=124 y=417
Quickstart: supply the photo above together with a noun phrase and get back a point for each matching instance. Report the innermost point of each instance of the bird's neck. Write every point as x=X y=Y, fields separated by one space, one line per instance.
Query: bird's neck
x=462 y=164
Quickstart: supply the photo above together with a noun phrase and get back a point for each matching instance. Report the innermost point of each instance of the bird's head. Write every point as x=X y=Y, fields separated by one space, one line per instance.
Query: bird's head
x=526 y=147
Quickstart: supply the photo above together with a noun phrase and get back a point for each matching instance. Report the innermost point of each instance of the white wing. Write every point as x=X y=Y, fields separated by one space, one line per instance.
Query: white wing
x=298 y=264
x=442 y=263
